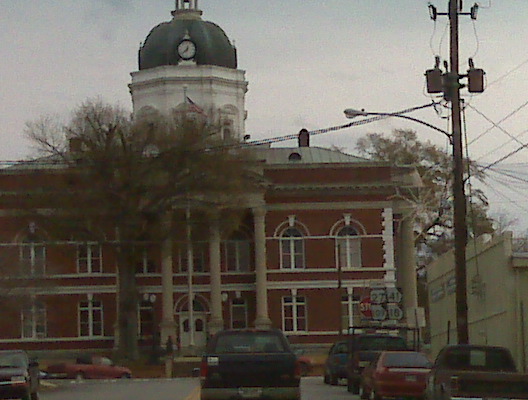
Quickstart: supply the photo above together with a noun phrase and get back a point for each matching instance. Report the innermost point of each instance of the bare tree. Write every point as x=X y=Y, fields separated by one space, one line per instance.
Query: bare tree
x=127 y=174
x=433 y=207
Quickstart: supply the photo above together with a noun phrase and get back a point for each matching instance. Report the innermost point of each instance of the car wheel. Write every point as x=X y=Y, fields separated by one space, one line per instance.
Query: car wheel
x=374 y=396
x=326 y=378
x=362 y=392
x=333 y=380
x=352 y=387
x=79 y=376
x=126 y=375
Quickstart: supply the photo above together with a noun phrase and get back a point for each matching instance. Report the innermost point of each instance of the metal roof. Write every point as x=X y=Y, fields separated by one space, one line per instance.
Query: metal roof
x=306 y=155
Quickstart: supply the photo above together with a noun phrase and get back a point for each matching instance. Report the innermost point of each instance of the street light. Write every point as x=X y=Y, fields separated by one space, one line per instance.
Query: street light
x=353 y=113
x=459 y=211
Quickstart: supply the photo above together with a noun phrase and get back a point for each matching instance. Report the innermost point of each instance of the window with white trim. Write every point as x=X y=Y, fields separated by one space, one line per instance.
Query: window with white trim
x=145 y=264
x=34 y=320
x=237 y=250
x=32 y=257
x=90 y=318
x=294 y=314
x=348 y=248
x=89 y=258
x=239 y=314
x=146 y=318
x=350 y=315
x=292 y=249
x=199 y=252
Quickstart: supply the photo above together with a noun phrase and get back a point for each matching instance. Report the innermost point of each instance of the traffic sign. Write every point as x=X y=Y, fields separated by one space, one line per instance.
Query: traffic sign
x=378 y=296
x=365 y=307
x=378 y=312
x=394 y=312
x=394 y=295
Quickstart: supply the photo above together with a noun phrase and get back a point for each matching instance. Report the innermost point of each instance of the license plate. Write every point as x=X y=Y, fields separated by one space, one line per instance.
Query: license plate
x=250 y=393
x=410 y=378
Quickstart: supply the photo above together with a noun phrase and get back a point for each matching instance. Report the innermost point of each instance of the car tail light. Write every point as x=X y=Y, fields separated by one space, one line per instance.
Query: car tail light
x=297 y=369
x=203 y=369
x=454 y=384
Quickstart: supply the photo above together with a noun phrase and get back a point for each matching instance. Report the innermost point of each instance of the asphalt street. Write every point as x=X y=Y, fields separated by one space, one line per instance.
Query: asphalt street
x=312 y=388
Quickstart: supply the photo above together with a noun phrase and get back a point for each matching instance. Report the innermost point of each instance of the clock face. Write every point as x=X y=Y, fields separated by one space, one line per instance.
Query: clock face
x=186 y=49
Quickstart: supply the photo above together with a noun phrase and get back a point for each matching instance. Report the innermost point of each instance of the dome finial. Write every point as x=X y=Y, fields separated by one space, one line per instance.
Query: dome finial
x=187 y=7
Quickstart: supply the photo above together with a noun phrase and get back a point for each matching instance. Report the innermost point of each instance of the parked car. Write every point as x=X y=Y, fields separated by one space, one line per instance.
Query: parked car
x=19 y=376
x=475 y=371
x=334 y=366
x=395 y=374
x=363 y=349
x=305 y=362
x=88 y=367
x=249 y=364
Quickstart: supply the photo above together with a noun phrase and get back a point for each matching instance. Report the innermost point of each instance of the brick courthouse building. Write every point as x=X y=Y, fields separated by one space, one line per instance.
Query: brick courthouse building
x=323 y=230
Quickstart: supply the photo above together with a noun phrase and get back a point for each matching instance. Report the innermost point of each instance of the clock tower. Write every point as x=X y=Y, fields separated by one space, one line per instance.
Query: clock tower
x=190 y=64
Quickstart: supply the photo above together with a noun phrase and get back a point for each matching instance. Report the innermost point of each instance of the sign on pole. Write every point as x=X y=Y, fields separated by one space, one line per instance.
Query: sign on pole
x=378 y=312
x=365 y=307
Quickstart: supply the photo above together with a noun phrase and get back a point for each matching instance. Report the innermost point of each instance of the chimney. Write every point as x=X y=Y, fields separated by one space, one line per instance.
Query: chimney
x=304 y=138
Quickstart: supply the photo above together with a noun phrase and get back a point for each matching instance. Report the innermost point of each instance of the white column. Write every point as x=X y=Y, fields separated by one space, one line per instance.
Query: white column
x=167 y=326
x=407 y=264
x=217 y=320
x=262 y=320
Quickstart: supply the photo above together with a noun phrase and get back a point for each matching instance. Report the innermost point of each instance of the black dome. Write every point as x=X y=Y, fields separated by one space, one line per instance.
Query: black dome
x=212 y=44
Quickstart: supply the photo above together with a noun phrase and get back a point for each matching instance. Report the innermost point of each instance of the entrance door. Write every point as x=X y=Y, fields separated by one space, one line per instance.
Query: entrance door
x=199 y=327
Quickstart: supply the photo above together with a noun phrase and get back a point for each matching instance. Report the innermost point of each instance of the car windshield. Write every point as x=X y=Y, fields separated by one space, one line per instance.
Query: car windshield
x=406 y=359
x=381 y=343
x=12 y=360
x=242 y=342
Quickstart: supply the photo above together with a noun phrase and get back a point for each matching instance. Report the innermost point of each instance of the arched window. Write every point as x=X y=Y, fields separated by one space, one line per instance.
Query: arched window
x=237 y=250
x=292 y=249
x=348 y=248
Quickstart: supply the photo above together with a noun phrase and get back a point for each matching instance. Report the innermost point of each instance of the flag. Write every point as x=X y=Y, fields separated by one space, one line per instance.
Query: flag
x=193 y=107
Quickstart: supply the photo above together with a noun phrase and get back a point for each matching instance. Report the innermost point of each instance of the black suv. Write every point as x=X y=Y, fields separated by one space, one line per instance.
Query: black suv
x=363 y=349
x=19 y=377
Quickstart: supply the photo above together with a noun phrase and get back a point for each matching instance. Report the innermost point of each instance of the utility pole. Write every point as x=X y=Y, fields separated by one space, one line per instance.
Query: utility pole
x=449 y=84
x=458 y=181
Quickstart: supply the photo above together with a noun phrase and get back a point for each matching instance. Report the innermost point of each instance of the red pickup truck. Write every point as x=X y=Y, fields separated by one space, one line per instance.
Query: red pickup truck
x=475 y=372
x=88 y=367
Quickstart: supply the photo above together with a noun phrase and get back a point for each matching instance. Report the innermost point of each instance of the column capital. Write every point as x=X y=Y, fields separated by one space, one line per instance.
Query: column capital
x=259 y=212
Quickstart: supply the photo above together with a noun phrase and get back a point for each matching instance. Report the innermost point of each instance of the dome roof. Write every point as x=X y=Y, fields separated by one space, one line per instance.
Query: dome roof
x=212 y=44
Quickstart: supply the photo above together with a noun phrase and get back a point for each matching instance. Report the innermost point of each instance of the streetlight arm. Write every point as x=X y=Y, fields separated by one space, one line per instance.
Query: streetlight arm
x=352 y=113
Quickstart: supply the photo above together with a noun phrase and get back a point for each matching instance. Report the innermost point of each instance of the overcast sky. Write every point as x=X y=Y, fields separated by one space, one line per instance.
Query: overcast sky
x=305 y=60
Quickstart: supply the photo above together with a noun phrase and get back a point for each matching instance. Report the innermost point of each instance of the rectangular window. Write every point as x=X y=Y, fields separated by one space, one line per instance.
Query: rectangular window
x=199 y=252
x=239 y=314
x=294 y=314
x=146 y=319
x=89 y=258
x=33 y=258
x=90 y=318
x=145 y=264
x=238 y=255
x=34 y=320
x=350 y=315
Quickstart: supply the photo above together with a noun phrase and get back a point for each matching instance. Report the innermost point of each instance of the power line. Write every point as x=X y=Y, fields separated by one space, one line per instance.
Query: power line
x=496 y=125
